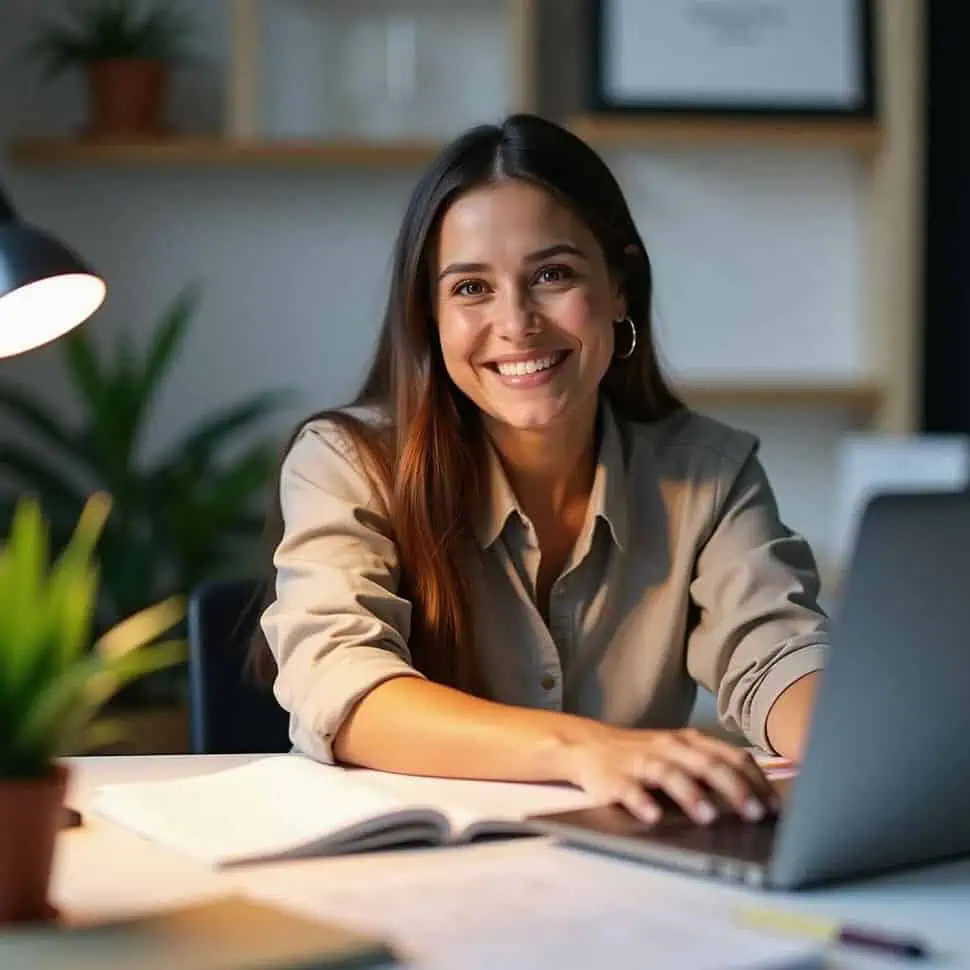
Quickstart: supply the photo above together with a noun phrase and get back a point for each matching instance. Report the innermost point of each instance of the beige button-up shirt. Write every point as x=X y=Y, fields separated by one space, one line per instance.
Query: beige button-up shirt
x=683 y=574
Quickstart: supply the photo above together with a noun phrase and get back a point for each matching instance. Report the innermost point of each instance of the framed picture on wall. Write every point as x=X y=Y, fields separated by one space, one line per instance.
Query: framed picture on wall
x=749 y=57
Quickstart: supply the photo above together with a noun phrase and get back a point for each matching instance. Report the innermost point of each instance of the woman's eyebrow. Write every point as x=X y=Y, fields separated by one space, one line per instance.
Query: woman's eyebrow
x=454 y=268
x=557 y=249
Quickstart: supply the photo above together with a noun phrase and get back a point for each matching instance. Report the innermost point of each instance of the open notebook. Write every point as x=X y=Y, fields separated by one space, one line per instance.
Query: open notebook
x=286 y=806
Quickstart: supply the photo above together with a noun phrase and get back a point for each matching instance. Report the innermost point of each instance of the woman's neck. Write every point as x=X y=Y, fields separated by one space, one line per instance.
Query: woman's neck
x=548 y=471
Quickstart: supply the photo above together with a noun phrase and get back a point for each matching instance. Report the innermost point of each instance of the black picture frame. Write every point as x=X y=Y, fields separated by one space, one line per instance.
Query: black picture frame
x=599 y=102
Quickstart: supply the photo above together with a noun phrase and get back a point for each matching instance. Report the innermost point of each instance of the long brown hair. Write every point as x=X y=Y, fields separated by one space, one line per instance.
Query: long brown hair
x=427 y=459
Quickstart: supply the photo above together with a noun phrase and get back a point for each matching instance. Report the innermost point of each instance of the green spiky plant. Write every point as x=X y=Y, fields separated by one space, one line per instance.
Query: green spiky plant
x=100 y=30
x=194 y=513
x=52 y=686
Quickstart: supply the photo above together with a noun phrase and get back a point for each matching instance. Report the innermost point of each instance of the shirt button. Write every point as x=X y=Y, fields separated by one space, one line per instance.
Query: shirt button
x=548 y=682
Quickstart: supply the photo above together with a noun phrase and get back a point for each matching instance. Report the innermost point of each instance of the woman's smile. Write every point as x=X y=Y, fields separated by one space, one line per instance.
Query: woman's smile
x=529 y=370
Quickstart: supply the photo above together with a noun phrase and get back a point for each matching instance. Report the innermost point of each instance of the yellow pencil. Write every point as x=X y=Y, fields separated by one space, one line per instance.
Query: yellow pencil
x=830 y=931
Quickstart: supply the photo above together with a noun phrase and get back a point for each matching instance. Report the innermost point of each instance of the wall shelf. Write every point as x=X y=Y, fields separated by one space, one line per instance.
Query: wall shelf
x=684 y=131
x=859 y=398
x=602 y=132
x=218 y=151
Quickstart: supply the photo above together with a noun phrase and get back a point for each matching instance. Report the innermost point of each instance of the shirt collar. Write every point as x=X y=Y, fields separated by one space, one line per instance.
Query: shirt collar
x=607 y=500
x=498 y=502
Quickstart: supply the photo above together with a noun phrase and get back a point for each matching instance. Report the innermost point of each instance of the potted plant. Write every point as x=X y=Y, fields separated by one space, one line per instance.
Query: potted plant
x=52 y=686
x=190 y=513
x=126 y=50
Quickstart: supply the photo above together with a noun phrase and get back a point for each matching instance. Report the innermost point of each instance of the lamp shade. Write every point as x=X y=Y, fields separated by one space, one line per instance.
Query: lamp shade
x=45 y=288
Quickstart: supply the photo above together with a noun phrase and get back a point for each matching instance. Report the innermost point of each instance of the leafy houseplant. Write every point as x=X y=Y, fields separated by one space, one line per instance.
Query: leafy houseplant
x=52 y=686
x=126 y=49
x=191 y=514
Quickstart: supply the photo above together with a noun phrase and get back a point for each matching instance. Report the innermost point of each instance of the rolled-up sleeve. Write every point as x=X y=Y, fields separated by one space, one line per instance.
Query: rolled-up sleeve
x=337 y=627
x=759 y=626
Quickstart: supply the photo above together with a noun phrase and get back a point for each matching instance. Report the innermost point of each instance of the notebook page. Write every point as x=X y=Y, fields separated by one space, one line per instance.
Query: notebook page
x=531 y=903
x=636 y=941
x=267 y=808
x=466 y=803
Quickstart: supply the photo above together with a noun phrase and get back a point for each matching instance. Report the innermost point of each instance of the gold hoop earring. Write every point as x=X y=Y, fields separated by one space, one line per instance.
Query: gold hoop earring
x=633 y=339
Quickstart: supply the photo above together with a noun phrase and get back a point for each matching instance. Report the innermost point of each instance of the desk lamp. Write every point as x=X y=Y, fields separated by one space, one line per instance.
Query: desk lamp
x=45 y=291
x=45 y=288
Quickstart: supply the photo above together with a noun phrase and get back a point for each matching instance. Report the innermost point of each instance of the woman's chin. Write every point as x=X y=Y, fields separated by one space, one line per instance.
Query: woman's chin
x=532 y=419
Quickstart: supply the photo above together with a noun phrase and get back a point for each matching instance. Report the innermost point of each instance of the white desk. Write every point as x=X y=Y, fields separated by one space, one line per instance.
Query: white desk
x=102 y=871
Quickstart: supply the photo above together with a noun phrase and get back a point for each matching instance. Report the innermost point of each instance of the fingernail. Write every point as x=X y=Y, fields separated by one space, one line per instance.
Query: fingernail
x=652 y=814
x=754 y=811
x=705 y=812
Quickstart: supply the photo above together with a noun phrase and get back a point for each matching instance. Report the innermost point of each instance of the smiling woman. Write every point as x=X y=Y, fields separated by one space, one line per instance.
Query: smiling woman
x=517 y=553
x=517 y=313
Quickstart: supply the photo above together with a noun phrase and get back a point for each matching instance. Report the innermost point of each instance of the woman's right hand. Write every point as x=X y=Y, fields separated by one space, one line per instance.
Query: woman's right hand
x=617 y=765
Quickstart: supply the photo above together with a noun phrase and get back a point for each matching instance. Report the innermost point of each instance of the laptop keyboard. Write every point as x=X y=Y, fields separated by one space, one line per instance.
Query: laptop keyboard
x=729 y=836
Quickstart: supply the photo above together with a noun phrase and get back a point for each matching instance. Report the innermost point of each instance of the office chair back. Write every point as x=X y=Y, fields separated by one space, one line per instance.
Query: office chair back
x=229 y=712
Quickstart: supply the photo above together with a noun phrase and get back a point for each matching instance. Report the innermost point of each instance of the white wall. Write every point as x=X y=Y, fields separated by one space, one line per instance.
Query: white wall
x=758 y=255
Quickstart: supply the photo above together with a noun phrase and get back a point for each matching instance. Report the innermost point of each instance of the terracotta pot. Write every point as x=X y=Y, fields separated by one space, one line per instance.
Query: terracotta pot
x=30 y=818
x=127 y=97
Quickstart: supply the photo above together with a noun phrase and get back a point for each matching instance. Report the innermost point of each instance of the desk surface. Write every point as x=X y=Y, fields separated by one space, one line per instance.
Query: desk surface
x=102 y=871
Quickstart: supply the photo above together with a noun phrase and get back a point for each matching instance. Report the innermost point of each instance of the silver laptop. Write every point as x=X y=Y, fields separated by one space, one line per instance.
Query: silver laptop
x=885 y=780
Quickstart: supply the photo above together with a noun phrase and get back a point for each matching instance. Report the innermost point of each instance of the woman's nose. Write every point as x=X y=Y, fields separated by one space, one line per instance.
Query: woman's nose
x=516 y=317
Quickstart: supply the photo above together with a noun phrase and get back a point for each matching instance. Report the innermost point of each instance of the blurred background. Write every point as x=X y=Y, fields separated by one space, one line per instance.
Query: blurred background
x=237 y=172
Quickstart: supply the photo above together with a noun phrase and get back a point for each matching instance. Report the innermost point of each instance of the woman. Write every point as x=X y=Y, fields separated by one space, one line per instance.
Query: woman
x=519 y=553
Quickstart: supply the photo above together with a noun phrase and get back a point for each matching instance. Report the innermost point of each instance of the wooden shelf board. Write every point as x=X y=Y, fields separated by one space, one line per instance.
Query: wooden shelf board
x=863 y=399
x=626 y=131
x=602 y=131
x=217 y=151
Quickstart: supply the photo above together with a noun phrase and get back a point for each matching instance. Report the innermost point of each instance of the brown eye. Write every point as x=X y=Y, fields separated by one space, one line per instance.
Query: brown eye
x=470 y=288
x=554 y=274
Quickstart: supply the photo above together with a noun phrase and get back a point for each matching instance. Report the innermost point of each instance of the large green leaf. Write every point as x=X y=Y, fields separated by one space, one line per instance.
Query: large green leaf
x=133 y=569
x=115 y=425
x=73 y=582
x=231 y=490
x=70 y=700
x=38 y=475
x=114 y=675
x=202 y=519
x=199 y=449
x=38 y=420
x=142 y=627
x=53 y=610
x=81 y=361
x=168 y=339
x=24 y=568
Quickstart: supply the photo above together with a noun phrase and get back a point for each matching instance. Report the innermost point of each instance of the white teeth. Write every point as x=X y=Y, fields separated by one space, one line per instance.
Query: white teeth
x=521 y=368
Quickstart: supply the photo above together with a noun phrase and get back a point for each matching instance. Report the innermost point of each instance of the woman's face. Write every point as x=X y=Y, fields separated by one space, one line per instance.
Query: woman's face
x=525 y=306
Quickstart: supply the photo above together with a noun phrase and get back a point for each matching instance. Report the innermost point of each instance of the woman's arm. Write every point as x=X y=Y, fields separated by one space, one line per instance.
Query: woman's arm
x=760 y=630
x=418 y=727
x=790 y=716
x=337 y=627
